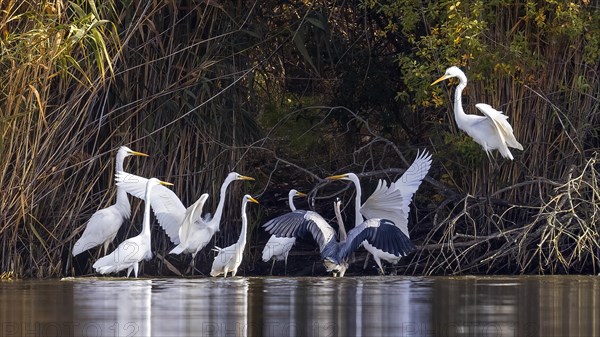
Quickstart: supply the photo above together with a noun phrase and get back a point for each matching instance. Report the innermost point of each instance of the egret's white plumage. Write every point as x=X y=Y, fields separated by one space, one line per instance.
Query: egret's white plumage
x=492 y=131
x=103 y=225
x=228 y=259
x=133 y=250
x=278 y=248
x=186 y=227
x=196 y=231
x=389 y=202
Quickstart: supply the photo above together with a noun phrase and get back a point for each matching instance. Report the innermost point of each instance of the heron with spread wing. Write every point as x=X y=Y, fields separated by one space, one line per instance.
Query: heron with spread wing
x=380 y=233
x=389 y=202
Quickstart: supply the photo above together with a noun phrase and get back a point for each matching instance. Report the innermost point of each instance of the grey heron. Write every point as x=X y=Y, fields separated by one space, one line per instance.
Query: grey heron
x=380 y=233
x=389 y=202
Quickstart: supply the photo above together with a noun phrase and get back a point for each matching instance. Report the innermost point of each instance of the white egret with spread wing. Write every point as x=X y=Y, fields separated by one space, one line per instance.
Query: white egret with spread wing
x=103 y=225
x=389 y=202
x=380 y=233
x=186 y=227
x=132 y=251
x=195 y=232
x=492 y=131
x=228 y=259
x=278 y=248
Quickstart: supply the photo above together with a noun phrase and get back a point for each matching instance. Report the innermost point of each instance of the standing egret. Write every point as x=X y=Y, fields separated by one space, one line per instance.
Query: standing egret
x=186 y=227
x=278 y=248
x=133 y=250
x=380 y=233
x=104 y=224
x=229 y=258
x=492 y=131
x=389 y=202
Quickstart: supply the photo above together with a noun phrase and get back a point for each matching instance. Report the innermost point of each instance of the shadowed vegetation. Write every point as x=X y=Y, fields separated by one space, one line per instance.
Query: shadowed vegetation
x=288 y=93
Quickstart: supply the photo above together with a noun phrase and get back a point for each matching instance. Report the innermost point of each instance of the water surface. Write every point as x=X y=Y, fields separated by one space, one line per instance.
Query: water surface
x=362 y=306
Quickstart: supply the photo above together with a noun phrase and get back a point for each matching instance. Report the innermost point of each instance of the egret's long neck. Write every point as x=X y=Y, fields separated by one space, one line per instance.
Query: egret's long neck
x=219 y=211
x=358 y=217
x=459 y=113
x=242 y=239
x=341 y=228
x=291 y=202
x=146 y=221
x=122 y=202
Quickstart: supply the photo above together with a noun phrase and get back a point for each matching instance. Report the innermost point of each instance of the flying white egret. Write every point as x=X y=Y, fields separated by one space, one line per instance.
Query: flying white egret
x=228 y=259
x=133 y=250
x=104 y=224
x=389 y=202
x=278 y=248
x=380 y=233
x=492 y=131
x=186 y=227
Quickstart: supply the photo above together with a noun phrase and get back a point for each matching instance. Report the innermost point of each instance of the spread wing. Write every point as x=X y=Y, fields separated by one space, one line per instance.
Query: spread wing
x=301 y=223
x=193 y=219
x=410 y=181
x=386 y=203
x=381 y=234
x=392 y=202
x=167 y=207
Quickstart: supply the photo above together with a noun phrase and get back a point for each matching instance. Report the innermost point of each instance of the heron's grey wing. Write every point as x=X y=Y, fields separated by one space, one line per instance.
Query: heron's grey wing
x=500 y=122
x=410 y=181
x=166 y=205
x=193 y=218
x=386 y=202
x=299 y=224
x=381 y=234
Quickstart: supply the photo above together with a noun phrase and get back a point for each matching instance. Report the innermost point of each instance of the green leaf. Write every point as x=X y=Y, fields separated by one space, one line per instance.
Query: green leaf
x=299 y=41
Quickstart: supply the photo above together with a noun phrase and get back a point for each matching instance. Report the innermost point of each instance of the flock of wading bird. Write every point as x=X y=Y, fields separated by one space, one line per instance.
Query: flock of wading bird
x=380 y=222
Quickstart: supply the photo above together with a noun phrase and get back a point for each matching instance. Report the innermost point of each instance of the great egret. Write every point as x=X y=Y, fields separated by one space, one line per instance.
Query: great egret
x=104 y=224
x=389 y=202
x=133 y=250
x=380 y=233
x=195 y=231
x=229 y=258
x=492 y=131
x=186 y=227
x=339 y=270
x=278 y=248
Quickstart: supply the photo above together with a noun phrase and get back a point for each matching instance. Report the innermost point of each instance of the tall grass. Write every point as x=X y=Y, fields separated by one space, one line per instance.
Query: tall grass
x=82 y=78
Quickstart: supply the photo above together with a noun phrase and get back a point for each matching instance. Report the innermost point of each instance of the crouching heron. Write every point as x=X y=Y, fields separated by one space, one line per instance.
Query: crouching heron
x=380 y=233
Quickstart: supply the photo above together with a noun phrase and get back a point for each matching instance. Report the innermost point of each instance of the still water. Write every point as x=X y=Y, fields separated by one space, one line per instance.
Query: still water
x=319 y=307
